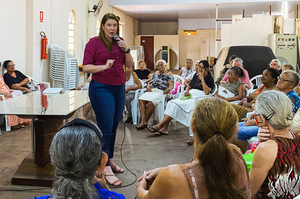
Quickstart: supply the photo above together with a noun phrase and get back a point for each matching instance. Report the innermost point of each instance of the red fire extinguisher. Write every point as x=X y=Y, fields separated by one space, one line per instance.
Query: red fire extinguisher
x=44 y=49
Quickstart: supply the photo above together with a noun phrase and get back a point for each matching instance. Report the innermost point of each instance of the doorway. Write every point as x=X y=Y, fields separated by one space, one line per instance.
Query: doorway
x=148 y=43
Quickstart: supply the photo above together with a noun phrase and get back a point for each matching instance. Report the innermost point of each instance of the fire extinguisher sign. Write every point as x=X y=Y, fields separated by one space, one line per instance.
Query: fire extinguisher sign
x=41 y=16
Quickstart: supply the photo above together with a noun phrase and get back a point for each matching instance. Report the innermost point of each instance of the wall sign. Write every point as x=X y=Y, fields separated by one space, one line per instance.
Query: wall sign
x=41 y=16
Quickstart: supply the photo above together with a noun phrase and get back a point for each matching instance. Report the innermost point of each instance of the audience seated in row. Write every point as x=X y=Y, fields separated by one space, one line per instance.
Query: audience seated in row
x=77 y=157
x=12 y=120
x=161 y=83
x=226 y=67
x=202 y=84
x=217 y=170
x=14 y=78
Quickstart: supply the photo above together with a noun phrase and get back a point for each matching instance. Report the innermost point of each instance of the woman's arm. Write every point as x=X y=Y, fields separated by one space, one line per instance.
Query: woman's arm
x=24 y=82
x=180 y=72
x=136 y=81
x=87 y=81
x=263 y=161
x=171 y=84
x=91 y=68
x=206 y=89
x=6 y=94
x=170 y=183
x=241 y=95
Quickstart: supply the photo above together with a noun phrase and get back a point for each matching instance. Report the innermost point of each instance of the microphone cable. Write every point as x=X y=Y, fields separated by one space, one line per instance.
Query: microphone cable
x=127 y=185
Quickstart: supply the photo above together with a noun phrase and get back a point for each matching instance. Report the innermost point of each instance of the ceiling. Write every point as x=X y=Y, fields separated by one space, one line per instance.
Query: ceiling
x=171 y=12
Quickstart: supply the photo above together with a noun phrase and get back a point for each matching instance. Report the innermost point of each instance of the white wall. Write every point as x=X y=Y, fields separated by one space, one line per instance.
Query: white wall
x=13 y=32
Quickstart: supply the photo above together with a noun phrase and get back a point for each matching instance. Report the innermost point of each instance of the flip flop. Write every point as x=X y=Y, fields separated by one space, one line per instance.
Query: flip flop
x=142 y=127
x=158 y=133
x=112 y=182
x=151 y=129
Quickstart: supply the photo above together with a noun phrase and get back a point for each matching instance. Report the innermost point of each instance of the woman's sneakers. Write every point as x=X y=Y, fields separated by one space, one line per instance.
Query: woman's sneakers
x=128 y=121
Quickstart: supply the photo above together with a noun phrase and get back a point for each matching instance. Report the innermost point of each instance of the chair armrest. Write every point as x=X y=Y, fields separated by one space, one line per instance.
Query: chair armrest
x=3 y=97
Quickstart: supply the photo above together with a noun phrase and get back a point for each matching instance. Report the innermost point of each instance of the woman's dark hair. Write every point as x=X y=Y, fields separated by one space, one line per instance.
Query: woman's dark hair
x=205 y=63
x=274 y=74
x=5 y=63
x=101 y=36
x=215 y=123
x=238 y=71
x=232 y=57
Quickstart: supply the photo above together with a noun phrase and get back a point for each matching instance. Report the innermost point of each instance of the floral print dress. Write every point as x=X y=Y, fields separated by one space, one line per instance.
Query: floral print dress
x=12 y=120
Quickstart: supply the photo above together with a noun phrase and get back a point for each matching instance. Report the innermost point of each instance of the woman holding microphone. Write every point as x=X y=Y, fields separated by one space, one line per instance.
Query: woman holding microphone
x=105 y=56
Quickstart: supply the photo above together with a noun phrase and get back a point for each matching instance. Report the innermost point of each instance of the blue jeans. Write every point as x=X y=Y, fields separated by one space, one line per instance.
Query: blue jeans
x=108 y=104
x=246 y=132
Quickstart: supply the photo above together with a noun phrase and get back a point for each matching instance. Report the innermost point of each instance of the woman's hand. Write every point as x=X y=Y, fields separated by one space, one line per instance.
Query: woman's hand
x=250 y=122
x=186 y=93
x=122 y=44
x=263 y=134
x=166 y=91
x=127 y=90
x=28 y=90
x=219 y=96
x=149 y=177
x=6 y=94
x=200 y=75
x=108 y=65
x=149 y=89
x=78 y=88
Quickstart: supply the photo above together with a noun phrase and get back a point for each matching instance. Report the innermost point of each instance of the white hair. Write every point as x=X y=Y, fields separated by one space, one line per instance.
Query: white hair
x=161 y=60
x=275 y=103
x=238 y=60
x=278 y=62
x=197 y=61
x=293 y=76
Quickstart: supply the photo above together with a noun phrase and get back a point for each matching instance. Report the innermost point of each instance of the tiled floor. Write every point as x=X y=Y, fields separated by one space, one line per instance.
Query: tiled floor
x=141 y=151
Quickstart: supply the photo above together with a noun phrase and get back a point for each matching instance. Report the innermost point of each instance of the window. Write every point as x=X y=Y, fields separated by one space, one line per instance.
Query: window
x=72 y=32
x=98 y=27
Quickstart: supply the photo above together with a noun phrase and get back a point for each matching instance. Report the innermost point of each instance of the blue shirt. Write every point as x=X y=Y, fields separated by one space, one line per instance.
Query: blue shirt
x=102 y=194
x=295 y=100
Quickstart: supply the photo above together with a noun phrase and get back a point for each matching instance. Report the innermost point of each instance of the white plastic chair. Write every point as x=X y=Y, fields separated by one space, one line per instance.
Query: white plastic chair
x=134 y=105
x=36 y=83
x=7 y=128
x=257 y=81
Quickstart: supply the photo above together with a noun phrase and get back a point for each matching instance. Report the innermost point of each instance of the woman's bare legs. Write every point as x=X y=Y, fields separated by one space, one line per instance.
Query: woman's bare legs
x=149 y=111
x=142 y=106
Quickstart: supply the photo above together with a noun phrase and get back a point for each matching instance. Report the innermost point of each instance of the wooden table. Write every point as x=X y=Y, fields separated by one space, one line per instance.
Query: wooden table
x=35 y=169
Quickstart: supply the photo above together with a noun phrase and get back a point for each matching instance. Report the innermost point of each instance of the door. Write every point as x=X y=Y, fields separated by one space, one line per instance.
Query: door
x=148 y=43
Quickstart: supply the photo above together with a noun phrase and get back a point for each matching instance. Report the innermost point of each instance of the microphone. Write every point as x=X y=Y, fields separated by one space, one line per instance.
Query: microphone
x=117 y=38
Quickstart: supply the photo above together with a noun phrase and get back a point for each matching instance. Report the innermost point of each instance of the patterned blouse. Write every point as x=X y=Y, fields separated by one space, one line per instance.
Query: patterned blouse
x=295 y=100
x=283 y=178
x=233 y=87
x=160 y=81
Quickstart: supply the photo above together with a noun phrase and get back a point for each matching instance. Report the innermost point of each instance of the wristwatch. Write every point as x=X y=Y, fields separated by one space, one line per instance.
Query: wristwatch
x=128 y=51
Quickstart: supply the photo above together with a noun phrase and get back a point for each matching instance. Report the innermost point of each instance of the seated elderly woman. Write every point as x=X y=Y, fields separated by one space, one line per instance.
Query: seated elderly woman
x=225 y=69
x=275 y=167
x=14 y=78
x=77 y=157
x=12 y=120
x=238 y=62
x=234 y=85
x=276 y=64
x=161 y=83
x=143 y=72
x=217 y=170
x=202 y=84
x=187 y=70
x=287 y=81
x=131 y=85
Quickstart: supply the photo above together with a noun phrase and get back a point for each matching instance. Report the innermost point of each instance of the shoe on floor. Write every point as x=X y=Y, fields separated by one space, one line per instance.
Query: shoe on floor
x=128 y=121
x=190 y=141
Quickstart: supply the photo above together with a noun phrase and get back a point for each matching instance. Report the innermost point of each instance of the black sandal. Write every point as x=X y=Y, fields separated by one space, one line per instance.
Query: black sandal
x=142 y=127
x=151 y=129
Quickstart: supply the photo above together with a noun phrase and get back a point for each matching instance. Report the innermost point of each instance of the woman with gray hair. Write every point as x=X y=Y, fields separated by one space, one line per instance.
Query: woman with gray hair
x=276 y=164
x=161 y=83
x=77 y=157
x=287 y=82
x=275 y=63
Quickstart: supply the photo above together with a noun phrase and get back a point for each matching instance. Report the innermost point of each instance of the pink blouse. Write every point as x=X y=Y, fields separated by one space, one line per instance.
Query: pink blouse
x=95 y=53
x=244 y=79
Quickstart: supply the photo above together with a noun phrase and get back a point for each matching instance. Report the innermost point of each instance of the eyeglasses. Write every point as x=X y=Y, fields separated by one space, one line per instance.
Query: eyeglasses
x=284 y=80
x=267 y=118
x=11 y=66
